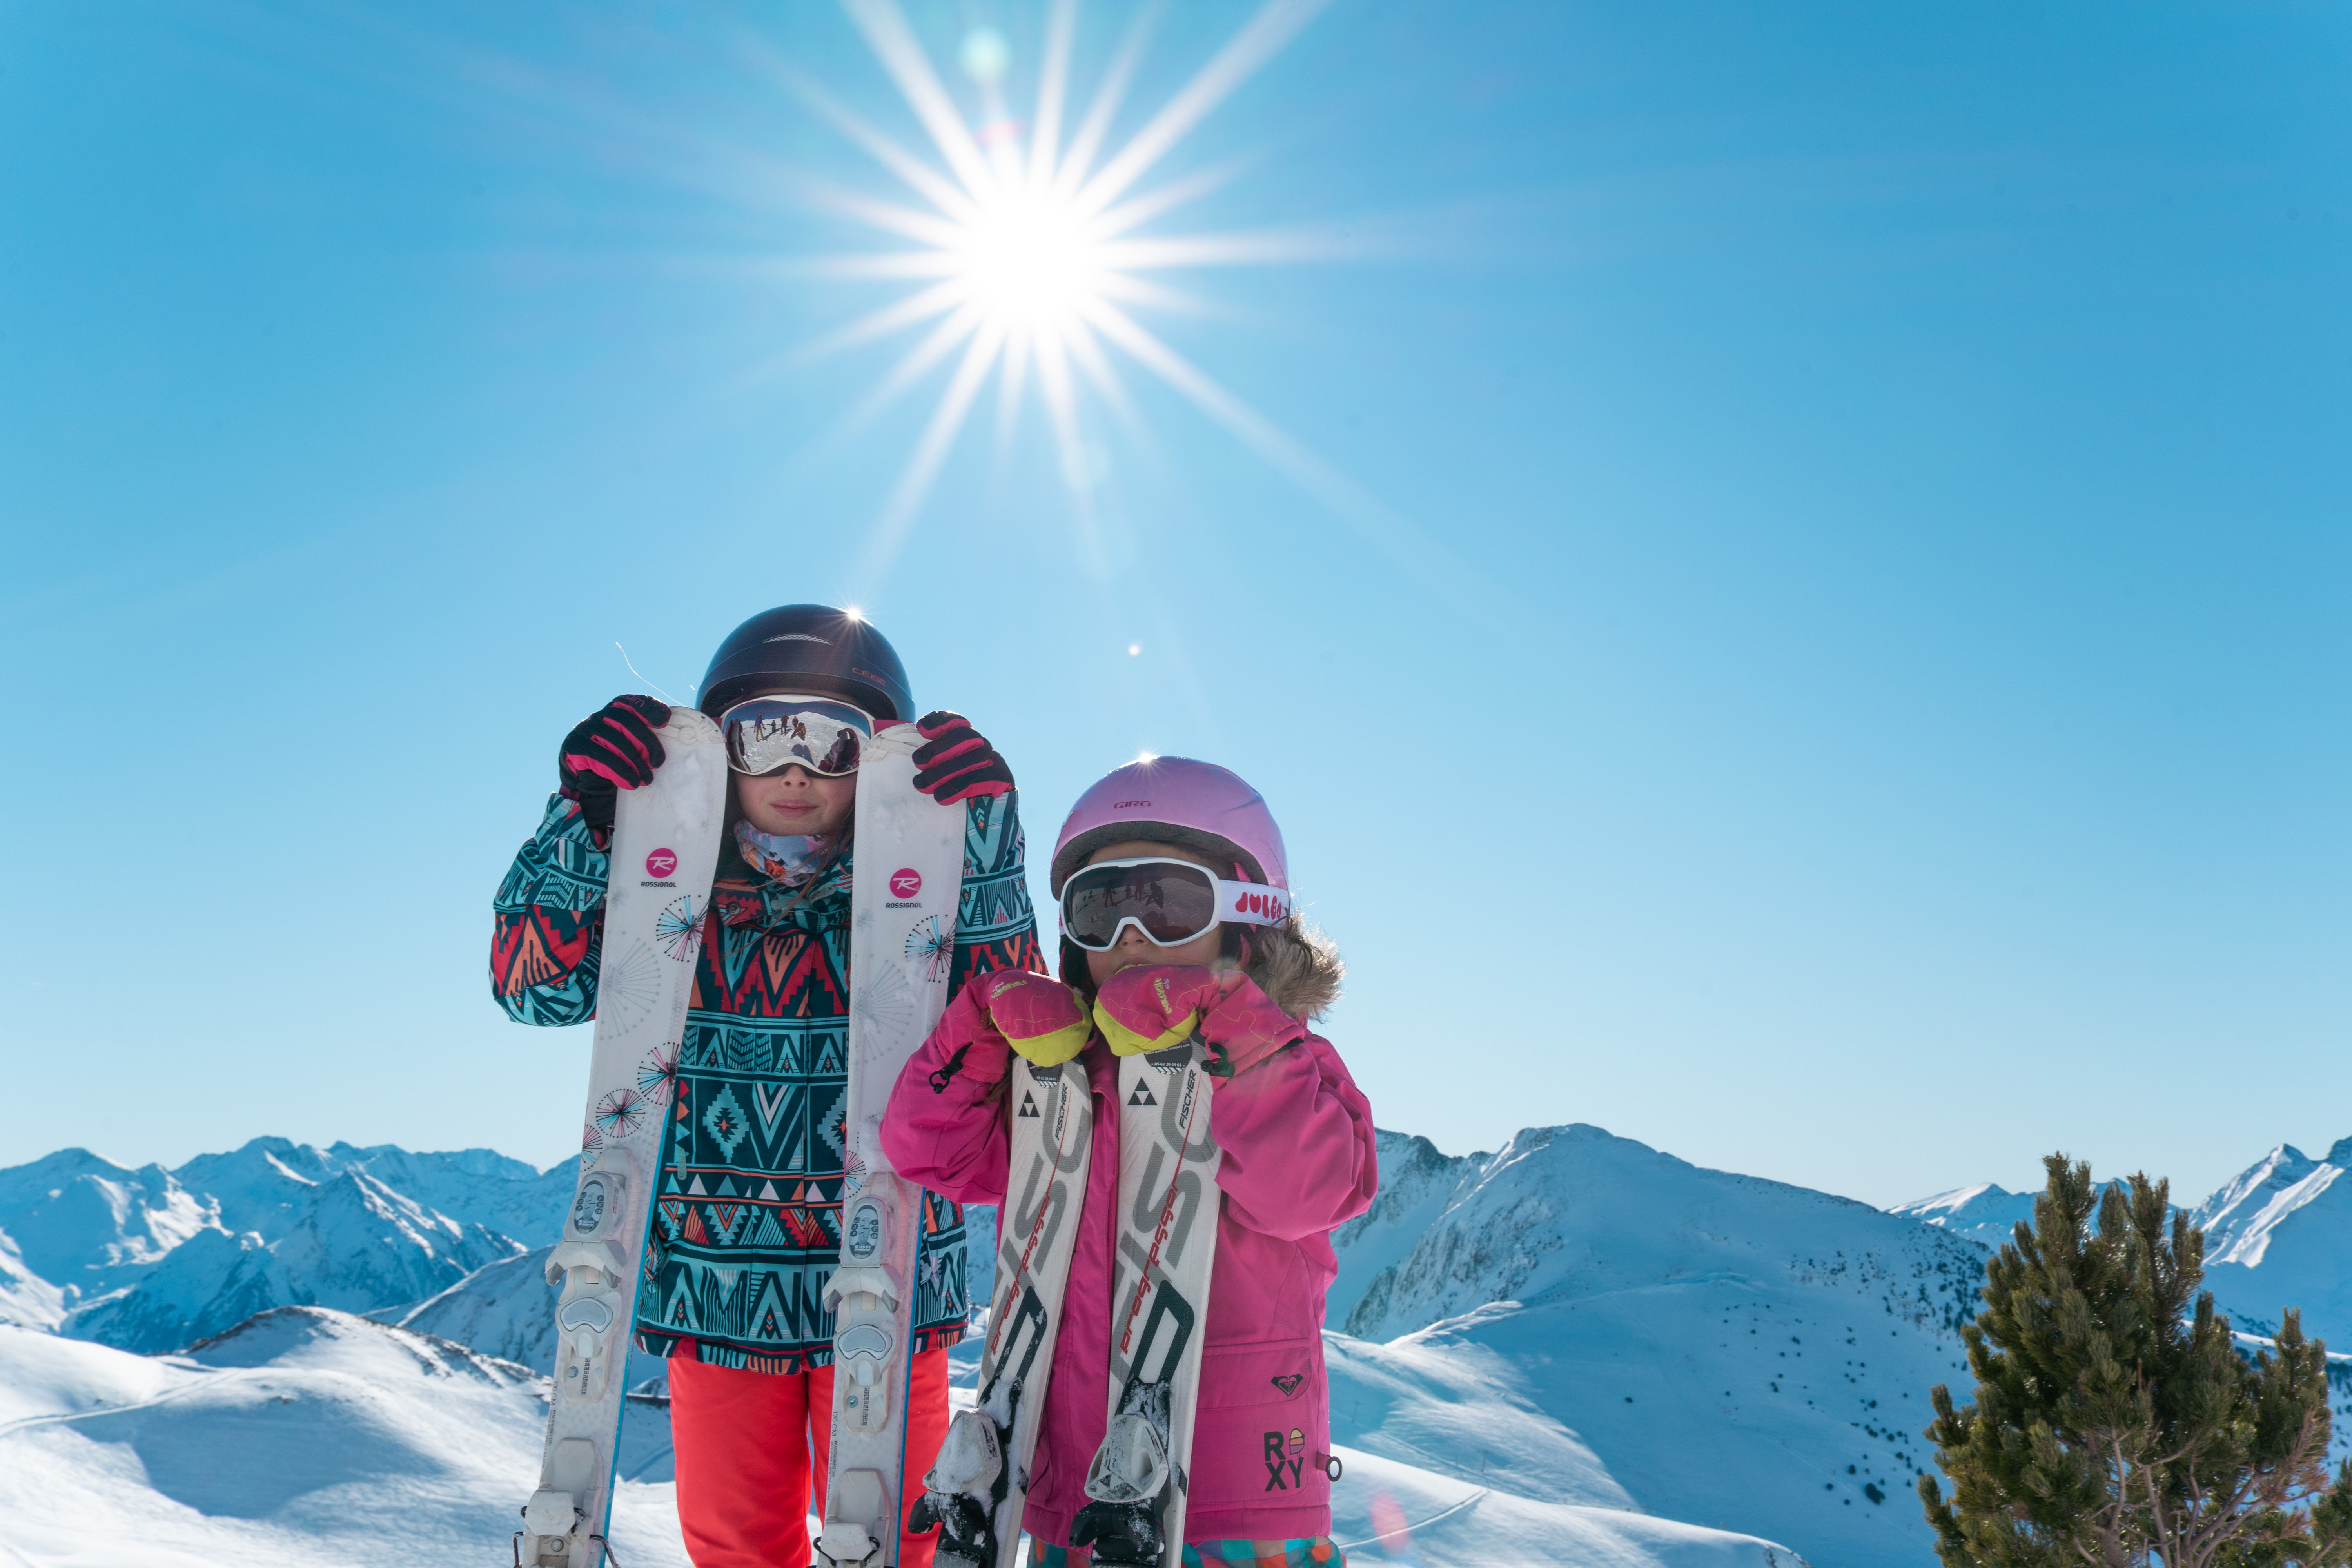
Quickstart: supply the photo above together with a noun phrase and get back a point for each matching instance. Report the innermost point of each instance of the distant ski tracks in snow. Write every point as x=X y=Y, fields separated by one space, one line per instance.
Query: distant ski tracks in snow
x=25 y=1423
x=1407 y=1528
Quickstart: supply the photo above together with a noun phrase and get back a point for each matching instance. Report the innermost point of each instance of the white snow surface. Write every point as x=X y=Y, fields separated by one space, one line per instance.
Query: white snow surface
x=310 y=1436
x=306 y=1436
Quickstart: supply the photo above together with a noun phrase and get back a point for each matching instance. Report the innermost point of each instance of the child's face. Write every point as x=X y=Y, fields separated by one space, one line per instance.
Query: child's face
x=1133 y=946
x=796 y=801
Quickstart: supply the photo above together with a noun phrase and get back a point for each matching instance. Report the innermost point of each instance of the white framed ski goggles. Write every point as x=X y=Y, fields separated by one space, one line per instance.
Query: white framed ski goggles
x=767 y=734
x=1169 y=901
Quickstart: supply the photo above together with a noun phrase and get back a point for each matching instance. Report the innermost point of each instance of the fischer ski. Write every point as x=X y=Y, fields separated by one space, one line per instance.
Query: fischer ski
x=905 y=889
x=977 y=1490
x=1160 y=1269
x=657 y=891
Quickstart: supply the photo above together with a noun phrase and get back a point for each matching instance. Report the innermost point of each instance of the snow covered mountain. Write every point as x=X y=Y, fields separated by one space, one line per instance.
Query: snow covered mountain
x=1620 y=1328
x=1986 y=1213
x=149 y=1259
x=82 y=1224
x=2277 y=1235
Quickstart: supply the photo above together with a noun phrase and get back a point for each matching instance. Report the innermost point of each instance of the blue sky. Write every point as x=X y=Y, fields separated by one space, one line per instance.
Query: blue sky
x=1825 y=651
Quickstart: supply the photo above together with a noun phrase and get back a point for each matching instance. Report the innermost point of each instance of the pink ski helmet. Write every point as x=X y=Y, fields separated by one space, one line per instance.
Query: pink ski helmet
x=1175 y=800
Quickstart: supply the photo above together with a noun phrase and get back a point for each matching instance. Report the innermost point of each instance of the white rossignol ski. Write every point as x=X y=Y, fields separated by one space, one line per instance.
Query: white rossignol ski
x=907 y=883
x=1160 y=1268
x=979 y=1487
x=664 y=850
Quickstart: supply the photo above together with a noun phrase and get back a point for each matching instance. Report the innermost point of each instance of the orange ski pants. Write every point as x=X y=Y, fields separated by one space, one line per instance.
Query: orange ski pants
x=752 y=1450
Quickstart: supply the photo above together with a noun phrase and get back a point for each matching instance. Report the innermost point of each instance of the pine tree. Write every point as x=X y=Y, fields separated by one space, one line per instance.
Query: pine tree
x=2115 y=1421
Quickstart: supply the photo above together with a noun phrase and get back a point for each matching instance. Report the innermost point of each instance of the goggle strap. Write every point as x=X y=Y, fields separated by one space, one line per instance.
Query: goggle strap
x=1241 y=902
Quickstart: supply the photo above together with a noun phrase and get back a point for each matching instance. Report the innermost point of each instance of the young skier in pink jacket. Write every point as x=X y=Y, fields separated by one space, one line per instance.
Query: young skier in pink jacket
x=1143 y=951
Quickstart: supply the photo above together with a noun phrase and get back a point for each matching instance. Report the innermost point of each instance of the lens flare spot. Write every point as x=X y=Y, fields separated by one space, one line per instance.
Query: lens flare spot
x=1134 y=649
x=985 y=55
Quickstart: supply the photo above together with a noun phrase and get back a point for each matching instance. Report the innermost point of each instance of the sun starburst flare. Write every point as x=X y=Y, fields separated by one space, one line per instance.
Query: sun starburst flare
x=1028 y=251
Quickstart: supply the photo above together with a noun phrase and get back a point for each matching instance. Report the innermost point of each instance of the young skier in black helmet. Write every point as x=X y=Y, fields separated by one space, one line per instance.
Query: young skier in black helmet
x=744 y=1234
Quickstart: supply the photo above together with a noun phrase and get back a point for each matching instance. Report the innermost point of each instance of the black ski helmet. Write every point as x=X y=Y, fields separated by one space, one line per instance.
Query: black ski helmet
x=815 y=649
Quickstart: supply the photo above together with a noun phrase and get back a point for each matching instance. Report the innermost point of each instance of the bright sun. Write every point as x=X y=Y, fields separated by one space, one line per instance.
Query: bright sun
x=1029 y=250
x=1034 y=262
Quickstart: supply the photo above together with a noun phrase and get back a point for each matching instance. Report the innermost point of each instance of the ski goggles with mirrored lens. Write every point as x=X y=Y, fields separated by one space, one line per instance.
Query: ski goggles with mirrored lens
x=765 y=734
x=1169 y=901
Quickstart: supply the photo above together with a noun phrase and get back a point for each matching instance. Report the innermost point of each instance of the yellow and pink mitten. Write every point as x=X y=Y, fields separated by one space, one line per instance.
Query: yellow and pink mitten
x=1038 y=1016
x=1152 y=1007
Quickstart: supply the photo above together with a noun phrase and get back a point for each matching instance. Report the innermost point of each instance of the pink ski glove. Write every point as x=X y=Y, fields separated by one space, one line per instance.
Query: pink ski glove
x=1038 y=1016
x=1150 y=1008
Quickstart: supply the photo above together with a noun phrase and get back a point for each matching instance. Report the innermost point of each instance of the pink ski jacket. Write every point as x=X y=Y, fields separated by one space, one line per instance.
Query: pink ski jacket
x=1297 y=1161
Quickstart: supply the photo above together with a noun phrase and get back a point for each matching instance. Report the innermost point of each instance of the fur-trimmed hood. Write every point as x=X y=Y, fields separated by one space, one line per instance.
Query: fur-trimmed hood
x=1297 y=968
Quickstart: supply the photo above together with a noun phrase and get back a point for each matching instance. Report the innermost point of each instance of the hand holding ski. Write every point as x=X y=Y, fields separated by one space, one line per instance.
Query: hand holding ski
x=1148 y=1008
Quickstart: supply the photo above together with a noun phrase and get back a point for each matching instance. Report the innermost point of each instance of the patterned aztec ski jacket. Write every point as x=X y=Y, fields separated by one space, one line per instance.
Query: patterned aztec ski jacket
x=746 y=1227
x=1299 y=1160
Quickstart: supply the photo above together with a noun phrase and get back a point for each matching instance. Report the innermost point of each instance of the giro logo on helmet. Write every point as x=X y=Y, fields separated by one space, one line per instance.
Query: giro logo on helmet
x=1128 y=804
x=906 y=882
x=661 y=863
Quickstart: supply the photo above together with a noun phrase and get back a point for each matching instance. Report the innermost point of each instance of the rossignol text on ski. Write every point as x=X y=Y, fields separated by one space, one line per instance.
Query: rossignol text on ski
x=905 y=889
x=665 y=849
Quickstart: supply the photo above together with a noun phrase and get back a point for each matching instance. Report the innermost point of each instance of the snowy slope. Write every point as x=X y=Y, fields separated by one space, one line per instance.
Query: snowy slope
x=26 y=1300
x=1986 y=1213
x=306 y=1436
x=1718 y=1349
x=361 y=1444
x=2279 y=1234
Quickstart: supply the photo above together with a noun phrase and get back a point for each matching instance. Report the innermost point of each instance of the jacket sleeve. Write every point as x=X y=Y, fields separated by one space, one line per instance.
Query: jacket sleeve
x=1299 y=1154
x=995 y=927
x=944 y=1126
x=547 y=921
